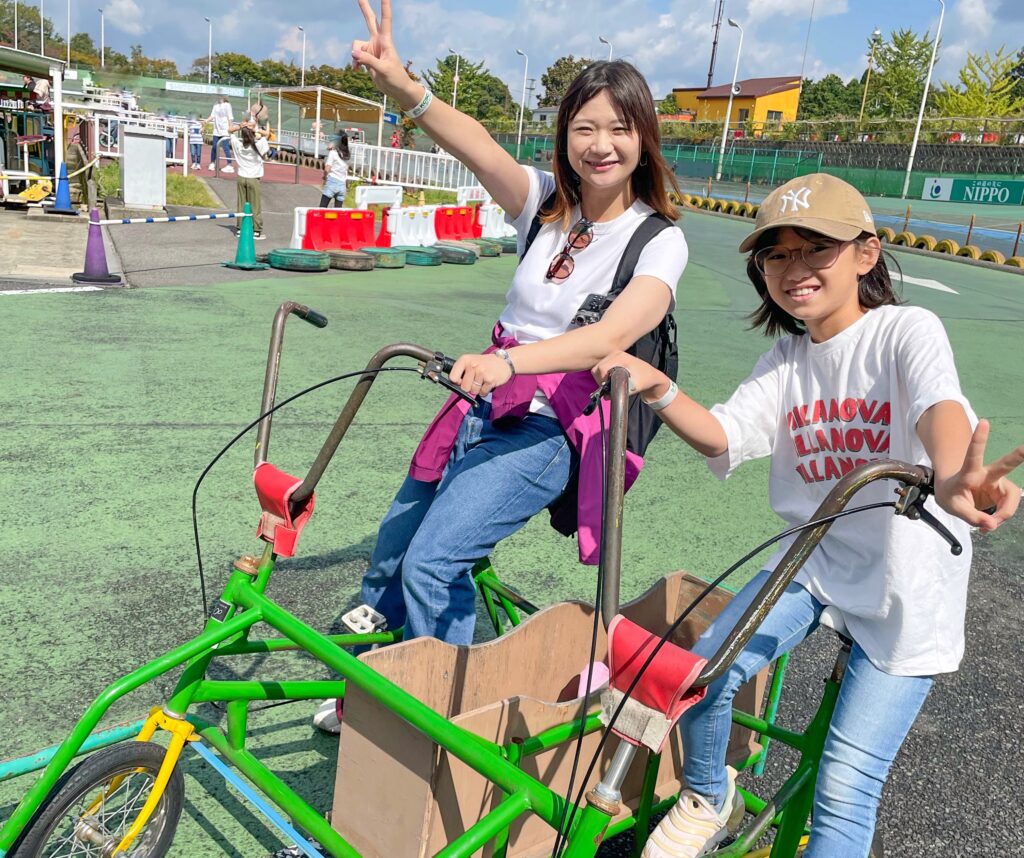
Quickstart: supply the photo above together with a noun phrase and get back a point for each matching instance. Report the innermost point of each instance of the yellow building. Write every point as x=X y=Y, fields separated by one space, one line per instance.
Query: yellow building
x=762 y=102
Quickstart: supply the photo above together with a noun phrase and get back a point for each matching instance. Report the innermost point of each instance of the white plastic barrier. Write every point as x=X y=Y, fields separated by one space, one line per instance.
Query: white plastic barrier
x=387 y=195
x=492 y=222
x=425 y=226
x=471 y=194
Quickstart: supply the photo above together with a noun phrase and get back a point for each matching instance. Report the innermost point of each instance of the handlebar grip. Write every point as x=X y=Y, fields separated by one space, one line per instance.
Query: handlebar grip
x=447 y=364
x=312 y=316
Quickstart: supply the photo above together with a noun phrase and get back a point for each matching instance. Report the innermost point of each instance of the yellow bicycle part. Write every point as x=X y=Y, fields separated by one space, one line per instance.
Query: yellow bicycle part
x=38 y=189
x=181 y=733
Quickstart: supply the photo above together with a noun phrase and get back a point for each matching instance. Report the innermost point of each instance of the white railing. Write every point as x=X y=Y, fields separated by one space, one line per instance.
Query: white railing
x=409 y=167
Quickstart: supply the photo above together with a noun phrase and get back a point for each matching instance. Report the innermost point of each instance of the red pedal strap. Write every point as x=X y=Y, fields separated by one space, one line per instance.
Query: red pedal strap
x=665 y=684
x=274 y=488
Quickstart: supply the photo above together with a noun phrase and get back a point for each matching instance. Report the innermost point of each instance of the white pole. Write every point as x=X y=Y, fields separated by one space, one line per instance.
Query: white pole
x=69 y=32
x=209 y=52
x=522 y=101
x=58 y=119
x=279 y=119
x=15 y=24
x=455 y=81
x=103 y=39
x=924 y=100
x=604 y=41
x=316 y=138
x=42 y=29
x=302 y=77
x=728 y=109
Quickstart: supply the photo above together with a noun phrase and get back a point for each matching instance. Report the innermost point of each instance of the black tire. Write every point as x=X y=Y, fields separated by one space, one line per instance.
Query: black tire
x=385 y=257
x=487 y=247
x=425 y=256
x=350 y=260
x=455 y=254
x=288 y=259
x=54 y=824
x=509 y=244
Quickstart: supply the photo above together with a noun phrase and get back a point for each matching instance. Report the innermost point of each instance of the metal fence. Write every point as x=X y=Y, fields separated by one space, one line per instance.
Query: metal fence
x=409 y=167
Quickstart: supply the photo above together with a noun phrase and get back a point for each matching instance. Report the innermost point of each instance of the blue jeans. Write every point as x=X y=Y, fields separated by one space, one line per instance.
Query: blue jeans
x=495 y=481
x=196 y=151
x=225 y=143
x=873 y=715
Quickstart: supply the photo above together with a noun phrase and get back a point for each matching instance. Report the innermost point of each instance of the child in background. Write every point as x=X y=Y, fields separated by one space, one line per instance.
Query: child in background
x=335 y=173
x=250 y=148
x=195 y=142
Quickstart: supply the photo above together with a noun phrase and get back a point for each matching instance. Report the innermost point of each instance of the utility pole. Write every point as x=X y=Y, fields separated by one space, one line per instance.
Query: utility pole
x=716 y=25
x=530 y=86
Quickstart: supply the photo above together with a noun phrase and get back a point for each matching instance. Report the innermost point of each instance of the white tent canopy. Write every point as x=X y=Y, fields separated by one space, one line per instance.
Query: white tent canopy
x=322 y=102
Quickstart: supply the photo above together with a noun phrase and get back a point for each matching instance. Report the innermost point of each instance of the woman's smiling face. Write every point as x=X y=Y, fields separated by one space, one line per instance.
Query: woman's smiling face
x=602 y=148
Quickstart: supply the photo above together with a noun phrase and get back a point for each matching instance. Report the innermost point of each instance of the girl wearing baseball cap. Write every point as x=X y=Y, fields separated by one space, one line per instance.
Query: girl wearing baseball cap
x=856 y=376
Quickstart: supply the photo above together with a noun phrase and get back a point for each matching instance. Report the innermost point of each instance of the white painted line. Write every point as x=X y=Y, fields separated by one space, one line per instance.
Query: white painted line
x=55 y=289
x=929 y=284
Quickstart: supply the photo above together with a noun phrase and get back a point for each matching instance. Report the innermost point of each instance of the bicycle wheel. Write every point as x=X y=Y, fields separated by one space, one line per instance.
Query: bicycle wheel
x=68 y=824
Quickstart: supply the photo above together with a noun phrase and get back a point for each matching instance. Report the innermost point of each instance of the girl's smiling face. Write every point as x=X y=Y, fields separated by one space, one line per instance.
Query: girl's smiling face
x=602 y=148
x=827 y=299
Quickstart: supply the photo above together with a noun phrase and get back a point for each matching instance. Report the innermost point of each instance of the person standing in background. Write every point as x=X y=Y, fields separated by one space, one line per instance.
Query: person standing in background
x=250 y=148
x=195 y=142
x=335 y=173
x=221 y=116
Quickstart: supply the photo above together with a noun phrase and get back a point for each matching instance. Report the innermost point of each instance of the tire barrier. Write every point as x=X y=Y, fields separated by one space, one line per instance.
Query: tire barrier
x=421 y=256
x=386 y=257
x=288 y=259
x=886 y=235
x=926 y=242
x=350 y=260
x=948 y=245
x=993 y=256
x=905 y=239
x=971 y=251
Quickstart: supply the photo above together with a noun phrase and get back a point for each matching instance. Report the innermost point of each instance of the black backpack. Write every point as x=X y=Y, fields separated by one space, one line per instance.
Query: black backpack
x=658 y=348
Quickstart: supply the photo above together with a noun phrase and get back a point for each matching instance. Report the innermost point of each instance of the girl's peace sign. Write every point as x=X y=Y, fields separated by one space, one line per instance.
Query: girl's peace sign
x=378 y=55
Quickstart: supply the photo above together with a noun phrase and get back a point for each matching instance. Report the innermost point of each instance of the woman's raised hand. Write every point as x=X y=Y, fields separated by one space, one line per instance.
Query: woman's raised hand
x=643 y=378
x=377 y=54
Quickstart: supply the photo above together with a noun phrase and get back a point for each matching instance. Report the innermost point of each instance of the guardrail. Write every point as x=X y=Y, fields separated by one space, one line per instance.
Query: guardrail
x=409 y=167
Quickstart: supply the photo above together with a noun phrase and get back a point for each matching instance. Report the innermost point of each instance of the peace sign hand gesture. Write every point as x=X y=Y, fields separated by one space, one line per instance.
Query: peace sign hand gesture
x=977 y=487
x=379 y=56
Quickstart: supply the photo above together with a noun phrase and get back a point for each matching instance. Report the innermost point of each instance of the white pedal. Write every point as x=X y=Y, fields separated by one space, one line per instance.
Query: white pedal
x=364 y=620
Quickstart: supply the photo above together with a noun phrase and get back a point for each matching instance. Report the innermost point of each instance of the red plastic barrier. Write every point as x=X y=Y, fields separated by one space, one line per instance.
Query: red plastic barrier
x=384 y=236
x=478 y=227
x=454 y=223
x=339 y=229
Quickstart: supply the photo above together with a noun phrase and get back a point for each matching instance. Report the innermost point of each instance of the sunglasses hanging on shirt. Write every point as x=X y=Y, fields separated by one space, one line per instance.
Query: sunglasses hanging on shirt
x=579 y=238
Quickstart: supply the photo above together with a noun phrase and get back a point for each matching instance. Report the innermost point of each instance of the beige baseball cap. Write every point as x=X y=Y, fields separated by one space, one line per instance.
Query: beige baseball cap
x=818 y=202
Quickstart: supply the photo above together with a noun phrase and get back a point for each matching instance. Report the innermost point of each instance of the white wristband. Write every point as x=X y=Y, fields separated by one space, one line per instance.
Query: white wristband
x=666 y=400
x=421 y=108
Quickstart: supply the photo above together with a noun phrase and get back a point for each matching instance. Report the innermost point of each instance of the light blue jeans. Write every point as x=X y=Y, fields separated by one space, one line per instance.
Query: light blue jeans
x=873 y=715
x=495 y=481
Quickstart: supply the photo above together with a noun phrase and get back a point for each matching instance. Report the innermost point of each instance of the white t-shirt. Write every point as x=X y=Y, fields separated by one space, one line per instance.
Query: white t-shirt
x=222 y=118
x=336 y=166
x=250 y=161
x=538 y=308
x=819 y=409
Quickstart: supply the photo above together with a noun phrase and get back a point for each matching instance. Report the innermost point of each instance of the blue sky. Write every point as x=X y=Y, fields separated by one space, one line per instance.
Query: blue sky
x=669 y=40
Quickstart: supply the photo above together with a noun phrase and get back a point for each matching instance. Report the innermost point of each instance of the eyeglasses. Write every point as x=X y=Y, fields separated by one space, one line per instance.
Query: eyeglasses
x=579 y=238
x=816 y=255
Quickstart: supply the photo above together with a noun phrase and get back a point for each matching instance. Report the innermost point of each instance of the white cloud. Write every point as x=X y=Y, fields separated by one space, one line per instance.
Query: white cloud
x=127 y=16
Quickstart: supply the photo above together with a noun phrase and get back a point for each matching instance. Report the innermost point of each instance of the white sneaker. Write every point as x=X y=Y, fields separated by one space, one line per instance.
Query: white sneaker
x=211 y=166
x=328 y=716
x=692 y=827
x=258 y=236
x=228 y=169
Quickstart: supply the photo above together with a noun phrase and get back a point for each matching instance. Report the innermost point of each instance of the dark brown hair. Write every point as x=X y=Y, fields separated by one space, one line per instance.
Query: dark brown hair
x=249 y=139
x=630 y=94
x=873 y=289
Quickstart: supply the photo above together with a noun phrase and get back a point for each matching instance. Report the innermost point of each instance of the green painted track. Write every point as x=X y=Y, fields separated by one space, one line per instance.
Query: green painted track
x=112 y=403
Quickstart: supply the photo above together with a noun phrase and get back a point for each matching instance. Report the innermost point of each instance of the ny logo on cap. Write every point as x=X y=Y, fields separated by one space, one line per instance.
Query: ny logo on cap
x=797 y=199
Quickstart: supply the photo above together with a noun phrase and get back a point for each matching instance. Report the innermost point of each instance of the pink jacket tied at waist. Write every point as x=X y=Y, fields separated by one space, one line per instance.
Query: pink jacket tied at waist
x=569 y=393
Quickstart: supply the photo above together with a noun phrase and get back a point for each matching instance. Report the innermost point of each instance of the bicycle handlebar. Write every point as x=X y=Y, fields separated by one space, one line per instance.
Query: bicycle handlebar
x=917 y=478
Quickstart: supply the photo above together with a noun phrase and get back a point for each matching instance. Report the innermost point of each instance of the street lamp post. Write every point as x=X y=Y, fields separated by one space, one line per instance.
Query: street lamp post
x=42 y=29
x=209 y=52
x=728 y=109
x=302 y=73
x=15 y=24
x=522 y=101
x=875 y=39
x=604 y=41
x=455 y=80
x=103 y=39
x=69 y=32
x=924 y=100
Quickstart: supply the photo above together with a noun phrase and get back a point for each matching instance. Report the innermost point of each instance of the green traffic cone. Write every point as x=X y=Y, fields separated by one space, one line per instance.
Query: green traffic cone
x=245 y=255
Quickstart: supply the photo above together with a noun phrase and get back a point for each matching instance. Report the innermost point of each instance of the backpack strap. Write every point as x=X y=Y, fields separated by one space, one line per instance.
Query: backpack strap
x=535 y=224
x=647 y=229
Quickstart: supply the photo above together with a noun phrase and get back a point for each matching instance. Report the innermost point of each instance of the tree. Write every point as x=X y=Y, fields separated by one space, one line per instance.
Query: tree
x=480 y=94
x=346 y=79
x=987 y=88
x=901 y=66
x=557 y=78
x=1017 y=74
x=829 y=98
x=84 y=50
x=668 y=106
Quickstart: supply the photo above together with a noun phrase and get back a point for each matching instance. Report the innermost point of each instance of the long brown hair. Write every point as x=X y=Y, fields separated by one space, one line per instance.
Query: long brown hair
x=249 y=139
x=873 y=289
x=630 y=94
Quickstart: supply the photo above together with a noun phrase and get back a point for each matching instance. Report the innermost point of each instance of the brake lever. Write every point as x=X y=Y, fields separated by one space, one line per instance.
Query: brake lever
x=436 y=370
x=911 y=505
x=604 y=390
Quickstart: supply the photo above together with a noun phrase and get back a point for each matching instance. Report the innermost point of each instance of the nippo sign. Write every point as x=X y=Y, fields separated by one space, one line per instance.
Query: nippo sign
x=985 y=191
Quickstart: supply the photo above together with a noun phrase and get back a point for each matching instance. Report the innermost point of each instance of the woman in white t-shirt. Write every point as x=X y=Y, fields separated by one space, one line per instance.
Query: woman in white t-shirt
x=335 y=173
x=858 y=378
x=475 y=481
x=250 y=147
